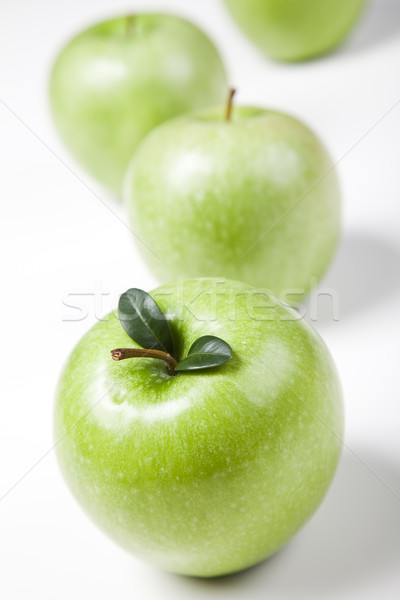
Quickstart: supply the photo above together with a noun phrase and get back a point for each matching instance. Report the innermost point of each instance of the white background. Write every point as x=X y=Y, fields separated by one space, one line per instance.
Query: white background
x=58 y=238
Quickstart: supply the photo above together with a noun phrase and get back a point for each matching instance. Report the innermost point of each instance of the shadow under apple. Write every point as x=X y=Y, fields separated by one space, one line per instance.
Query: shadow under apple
x=379 y=23
x=364 y=272
x=354 y=537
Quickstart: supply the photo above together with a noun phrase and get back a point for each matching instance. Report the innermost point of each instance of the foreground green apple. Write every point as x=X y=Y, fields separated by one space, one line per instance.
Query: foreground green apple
x=210 y=471
x=117 y=80
x=253 y=197
x=293 y=30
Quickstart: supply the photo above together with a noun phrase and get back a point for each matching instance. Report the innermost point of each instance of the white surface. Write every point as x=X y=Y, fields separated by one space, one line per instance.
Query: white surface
x=58 y=239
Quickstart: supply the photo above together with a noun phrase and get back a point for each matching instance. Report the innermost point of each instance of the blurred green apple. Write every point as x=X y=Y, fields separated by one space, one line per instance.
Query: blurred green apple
x=254 y=198
x=293 y=30
x=117 y=80
x=209 y=472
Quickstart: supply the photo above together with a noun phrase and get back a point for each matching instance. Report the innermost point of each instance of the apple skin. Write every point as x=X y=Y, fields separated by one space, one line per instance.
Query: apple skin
x=115 y=82
x=295 y=30
x=206 y=473
x=210 y=197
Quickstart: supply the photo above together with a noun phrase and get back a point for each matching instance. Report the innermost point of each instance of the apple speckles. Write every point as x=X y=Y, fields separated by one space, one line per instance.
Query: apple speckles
x=228 y=187
x=204 y=474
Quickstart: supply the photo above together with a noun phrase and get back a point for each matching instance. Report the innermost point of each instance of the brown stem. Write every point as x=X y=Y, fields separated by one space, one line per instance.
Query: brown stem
x=130 y=24
x=229 y=104
x=122 y=353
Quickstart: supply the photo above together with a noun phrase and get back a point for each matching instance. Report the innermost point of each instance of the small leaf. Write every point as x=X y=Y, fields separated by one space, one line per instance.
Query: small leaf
x=207 y=351
x=144 y=321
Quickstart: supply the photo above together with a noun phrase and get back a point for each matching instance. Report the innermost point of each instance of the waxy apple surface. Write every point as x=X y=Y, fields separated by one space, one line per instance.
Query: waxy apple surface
x=117 y=80
x=255 y=198
x=210 y=472
x=293 y=30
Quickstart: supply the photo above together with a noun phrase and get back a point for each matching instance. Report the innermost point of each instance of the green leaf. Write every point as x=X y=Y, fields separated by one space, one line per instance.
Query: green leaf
x=207 y=351
x=144 y=321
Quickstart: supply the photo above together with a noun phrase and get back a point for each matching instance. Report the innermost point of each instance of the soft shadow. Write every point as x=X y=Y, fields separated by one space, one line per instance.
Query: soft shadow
x=352 y=540
x=364 y=272
x=355 y=536
x=379 y=23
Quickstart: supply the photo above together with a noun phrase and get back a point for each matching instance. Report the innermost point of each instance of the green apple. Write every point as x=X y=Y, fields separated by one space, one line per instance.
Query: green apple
x=253 y=197
x=117 y=80
x=293 y=30
x=208 y=472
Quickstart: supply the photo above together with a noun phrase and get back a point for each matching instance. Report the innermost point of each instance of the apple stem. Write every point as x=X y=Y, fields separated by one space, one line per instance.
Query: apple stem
x=122 y=353
x=130 y=24
x=229 y=104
